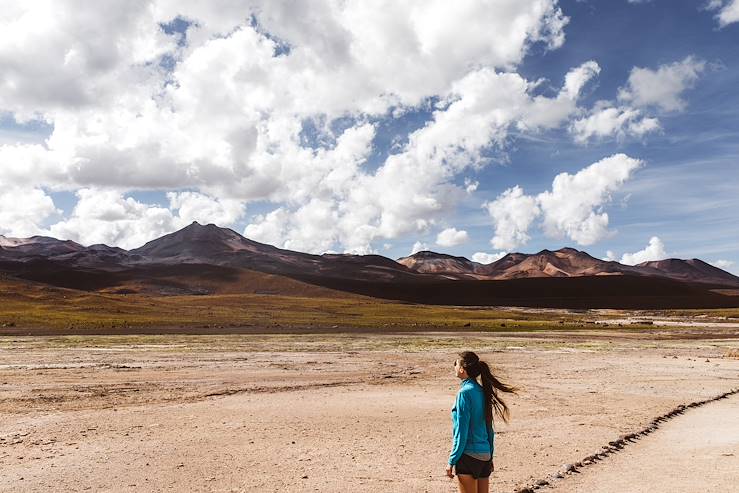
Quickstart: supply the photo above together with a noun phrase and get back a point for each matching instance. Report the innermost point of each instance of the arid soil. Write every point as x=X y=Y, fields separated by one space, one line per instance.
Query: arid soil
x=697 y=452
x=344 y=412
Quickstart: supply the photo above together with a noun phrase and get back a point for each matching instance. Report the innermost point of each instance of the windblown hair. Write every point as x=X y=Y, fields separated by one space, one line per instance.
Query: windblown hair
x=491 y=386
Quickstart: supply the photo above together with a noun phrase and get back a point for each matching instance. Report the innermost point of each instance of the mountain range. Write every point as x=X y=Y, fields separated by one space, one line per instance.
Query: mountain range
x=204 y=259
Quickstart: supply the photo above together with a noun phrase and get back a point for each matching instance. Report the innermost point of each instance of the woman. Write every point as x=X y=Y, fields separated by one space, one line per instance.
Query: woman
x=472 y=422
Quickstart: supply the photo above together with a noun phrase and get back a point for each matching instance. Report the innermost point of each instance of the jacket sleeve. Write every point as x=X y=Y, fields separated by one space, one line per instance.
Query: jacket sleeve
x=460 y=426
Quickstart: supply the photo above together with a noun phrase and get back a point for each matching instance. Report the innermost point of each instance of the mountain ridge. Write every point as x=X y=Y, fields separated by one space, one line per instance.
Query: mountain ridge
x=210 y=245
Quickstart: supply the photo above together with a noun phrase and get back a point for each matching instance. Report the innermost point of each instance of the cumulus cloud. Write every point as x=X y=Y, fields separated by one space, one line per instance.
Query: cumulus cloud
x=195 y=206
x=106 y=216
x=573 y=208
x=655 y=250
x=451 y=237
x=544 y=112
x=728 y=11
x=723 y=264
x=419 y=246
x=606 y=121
x=470 y=185
x=220 y=111
x=269 y=228
x=109 y=217
x=487 y=258
x=663 y=87
x=645 y=90
x=512 y=213
x=23 y=211
x=413 y=188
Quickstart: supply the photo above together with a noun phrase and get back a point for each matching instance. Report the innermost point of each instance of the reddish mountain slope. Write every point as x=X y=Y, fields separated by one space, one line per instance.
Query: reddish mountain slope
x=208 y=259
x=442 y=264
x=693 y=270
x=566 y=262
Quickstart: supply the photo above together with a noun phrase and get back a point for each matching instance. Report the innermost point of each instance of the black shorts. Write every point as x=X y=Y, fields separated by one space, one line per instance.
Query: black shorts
x=474 y=467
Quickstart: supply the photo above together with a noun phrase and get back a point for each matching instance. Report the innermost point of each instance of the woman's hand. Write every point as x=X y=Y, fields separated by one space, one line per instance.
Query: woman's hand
x=449 y=471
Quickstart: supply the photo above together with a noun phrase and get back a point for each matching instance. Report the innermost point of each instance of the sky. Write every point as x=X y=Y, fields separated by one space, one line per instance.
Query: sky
x=470 y=128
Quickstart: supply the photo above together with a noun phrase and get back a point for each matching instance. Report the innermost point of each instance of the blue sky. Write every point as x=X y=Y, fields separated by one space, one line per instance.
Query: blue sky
x=685 y=190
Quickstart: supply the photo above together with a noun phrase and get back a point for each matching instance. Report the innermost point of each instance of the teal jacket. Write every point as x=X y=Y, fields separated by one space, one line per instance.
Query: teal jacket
x=470 y=431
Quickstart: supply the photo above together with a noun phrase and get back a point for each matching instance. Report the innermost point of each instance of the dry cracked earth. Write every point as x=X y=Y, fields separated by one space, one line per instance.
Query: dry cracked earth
x=363 y=412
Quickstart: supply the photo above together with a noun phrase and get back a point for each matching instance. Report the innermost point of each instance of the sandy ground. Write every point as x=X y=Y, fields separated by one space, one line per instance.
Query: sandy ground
x=344 y=412
x=695 y=452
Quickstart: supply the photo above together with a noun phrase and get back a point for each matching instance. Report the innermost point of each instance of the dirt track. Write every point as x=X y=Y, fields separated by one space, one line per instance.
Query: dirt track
x=696 y=452
x=324 y=412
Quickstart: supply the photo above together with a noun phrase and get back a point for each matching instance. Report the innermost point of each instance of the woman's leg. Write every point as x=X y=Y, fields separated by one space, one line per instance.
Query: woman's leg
x=467 y=483
x=483 y=485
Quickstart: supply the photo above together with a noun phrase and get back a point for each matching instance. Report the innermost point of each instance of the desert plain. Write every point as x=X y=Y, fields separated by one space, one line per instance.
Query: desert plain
x=369 y=410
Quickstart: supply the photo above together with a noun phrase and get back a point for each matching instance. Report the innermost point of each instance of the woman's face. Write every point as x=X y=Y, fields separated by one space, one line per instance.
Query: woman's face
x=458 y=370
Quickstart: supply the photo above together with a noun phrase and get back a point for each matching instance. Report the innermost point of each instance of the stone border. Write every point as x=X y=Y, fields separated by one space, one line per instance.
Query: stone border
x=618 y=444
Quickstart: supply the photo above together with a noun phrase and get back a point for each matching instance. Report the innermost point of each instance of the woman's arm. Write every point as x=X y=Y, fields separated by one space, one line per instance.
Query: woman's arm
x=460 y=427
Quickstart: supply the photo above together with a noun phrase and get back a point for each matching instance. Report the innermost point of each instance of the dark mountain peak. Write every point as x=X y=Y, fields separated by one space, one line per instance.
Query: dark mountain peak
x=690 y=270
x=212 y=245
x=428 y=262
x=429 y=255
x=195 y=228
x=570 y=251
x=101 y=247
x=39 y=245
x=198 y=242
x=363 y=261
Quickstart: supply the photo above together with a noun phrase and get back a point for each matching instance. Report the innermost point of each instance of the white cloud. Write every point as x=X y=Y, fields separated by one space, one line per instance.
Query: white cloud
x=654 y=251
x=56 y=55
x=487 y=258
x=106 y=216
x=470 y=185
x=23 y=210
x=512 y=213
x=645 y=88
x=419 y=246
x=269 y=228
x=226 y=120
x=546 y=112
x=663 y=87
x=723 y=264
x=728 y=11
x=451 y=237
x=573 y=208
x=605 y=121
x=195 y=206
x=414 y=188
x=109 y=217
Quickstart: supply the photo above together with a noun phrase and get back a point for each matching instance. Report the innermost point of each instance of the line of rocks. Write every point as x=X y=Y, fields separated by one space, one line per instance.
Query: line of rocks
x=617 y=445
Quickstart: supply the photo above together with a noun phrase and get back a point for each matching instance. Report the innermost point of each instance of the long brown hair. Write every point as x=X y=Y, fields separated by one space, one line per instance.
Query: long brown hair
x=490 y=385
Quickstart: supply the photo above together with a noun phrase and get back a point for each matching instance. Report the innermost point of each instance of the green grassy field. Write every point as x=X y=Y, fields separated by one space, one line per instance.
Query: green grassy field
x=32 y=306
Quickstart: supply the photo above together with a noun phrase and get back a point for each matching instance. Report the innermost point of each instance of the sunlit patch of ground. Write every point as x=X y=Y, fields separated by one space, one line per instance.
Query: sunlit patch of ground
x=299 y=412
